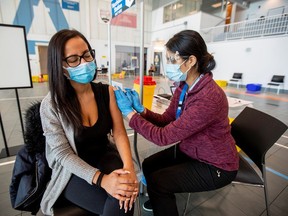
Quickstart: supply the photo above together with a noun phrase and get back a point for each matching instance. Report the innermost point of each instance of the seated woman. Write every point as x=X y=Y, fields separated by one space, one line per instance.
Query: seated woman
x=77 y=116
x=204 y=157
x=152 y=69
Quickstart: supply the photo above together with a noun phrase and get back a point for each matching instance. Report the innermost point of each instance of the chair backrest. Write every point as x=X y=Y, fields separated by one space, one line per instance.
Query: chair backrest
x=237 y=76
x=255 y=133
x=278 y=79
x=33 y=134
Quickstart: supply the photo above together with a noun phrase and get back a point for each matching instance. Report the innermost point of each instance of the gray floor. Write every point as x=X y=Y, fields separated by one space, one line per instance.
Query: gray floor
x=234 y=200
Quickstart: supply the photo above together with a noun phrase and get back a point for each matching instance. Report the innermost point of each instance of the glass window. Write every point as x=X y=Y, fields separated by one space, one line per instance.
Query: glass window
x=127 y=59
x=180 y=9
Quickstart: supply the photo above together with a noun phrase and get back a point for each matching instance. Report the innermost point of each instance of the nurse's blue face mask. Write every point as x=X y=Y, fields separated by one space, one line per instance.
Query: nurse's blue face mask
x=81 y=73
x=173 y=71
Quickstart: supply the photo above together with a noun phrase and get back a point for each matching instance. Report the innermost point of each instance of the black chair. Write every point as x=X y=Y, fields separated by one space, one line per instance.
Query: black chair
x=276 y=81
x=236 y=78
x=104 y=70
x=255 y=133
x=69 y=210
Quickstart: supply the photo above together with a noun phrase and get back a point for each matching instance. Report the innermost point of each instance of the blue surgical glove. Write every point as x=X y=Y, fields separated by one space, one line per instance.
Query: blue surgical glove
x=134 y=97
x=129 y=95
x=123 y=102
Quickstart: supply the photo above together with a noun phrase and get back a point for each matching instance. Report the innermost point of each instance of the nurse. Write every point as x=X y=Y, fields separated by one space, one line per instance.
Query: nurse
x=204 y=157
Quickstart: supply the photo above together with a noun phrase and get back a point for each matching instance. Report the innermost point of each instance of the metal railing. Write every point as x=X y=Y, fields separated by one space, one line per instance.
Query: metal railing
x=264 y=26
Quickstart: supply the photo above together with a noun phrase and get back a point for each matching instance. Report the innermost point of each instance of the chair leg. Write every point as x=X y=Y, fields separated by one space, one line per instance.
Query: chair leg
x=186 y=205
x=138 y=206
x=267 y=88
x=278 y=90
x=141 y=191
x=266 y=191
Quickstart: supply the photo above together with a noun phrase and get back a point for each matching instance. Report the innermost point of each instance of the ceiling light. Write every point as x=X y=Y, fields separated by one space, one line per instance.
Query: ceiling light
x=216 y=5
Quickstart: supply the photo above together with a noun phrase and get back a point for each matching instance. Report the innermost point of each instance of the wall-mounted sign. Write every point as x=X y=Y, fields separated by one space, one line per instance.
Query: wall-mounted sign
x=118 y=6
x=70 y=5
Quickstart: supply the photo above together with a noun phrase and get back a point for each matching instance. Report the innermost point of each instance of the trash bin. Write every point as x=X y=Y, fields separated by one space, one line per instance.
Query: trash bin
x=253 y=87
x=221 y=83
x=148 y=90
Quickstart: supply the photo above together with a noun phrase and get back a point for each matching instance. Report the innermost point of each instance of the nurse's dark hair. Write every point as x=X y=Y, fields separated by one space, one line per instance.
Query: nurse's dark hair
x=63 y=96
x=189 y=42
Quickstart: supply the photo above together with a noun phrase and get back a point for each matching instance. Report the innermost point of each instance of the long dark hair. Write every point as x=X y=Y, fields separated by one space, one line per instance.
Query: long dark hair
x=64 y=98
x=189 y=42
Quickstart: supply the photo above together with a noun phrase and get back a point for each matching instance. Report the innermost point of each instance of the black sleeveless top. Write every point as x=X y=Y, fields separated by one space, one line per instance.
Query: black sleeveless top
x=91 y=142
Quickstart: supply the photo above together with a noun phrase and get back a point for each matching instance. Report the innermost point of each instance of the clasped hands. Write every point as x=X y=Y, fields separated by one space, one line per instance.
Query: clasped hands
x=122 y=185
x=128 y=101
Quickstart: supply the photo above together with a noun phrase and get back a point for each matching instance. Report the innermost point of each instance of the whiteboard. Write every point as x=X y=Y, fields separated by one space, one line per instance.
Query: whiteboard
x=14 y=59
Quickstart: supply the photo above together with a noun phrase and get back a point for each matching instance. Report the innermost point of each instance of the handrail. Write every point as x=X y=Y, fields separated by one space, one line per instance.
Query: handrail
x=218 y=24
x=264 y=26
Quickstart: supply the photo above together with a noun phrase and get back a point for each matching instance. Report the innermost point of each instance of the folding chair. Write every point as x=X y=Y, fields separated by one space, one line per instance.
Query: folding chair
x=277 y=81
x=236 y=78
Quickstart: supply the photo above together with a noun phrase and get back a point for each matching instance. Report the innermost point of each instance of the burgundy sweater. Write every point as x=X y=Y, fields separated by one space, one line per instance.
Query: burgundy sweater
x=203 y=128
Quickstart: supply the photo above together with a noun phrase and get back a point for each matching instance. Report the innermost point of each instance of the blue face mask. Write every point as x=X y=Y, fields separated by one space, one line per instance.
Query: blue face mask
x=83 y=73
x=174 y=73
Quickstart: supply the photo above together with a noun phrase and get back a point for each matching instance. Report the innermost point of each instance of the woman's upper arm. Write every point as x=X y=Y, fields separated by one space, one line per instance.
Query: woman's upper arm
x=117 y=119
x=56 y=142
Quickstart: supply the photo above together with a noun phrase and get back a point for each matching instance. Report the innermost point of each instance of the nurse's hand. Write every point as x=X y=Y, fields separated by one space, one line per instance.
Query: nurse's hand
x=134 y=97
x=123 y=102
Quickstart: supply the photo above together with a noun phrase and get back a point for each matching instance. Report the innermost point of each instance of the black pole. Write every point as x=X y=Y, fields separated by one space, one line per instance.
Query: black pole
x=136 y=150
x=20 y=115
x=4 y=137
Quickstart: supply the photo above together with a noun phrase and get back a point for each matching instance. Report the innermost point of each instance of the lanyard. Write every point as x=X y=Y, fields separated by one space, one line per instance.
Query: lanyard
x=182 y=96
x=181 y=100
x=179 y=108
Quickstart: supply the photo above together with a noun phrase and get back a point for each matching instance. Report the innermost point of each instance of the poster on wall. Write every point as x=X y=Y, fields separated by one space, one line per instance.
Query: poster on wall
x=125 y=20
x=15 y=69
x=157 y=62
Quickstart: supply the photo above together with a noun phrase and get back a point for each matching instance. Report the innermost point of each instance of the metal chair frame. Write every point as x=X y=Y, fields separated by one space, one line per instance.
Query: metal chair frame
x=236 y=78
x=277 y=81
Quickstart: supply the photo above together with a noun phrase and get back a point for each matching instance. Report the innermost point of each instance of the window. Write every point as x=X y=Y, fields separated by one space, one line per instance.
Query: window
x=180 y=9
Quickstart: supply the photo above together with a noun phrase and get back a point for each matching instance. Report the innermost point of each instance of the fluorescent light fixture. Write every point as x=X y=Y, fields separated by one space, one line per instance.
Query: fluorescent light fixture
x=192 y=12
x=159 y=48
x=219 y=4
x=216 y=5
